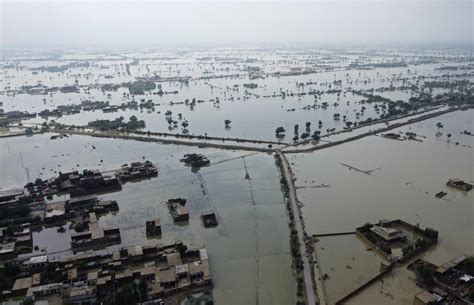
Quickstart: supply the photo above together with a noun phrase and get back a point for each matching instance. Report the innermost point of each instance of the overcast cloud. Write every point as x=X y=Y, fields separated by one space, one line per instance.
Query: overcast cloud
x=55 y=23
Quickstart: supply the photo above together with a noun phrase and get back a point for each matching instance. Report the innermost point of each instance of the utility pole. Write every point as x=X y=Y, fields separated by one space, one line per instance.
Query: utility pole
x=28 y=178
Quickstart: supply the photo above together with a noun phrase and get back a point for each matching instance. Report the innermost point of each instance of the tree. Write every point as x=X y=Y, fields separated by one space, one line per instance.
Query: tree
x=468 y=263
x=407 y=250
x=431 y=233
x=227 y=122
x=182 y=248
x=296 y=128
x=366 y=227
x=439 y=125
x=126 y=295
x=280 y=130
x=142 y=290
x=420 y=243
x=316 y=136
x=426 y=275
x=308 y=125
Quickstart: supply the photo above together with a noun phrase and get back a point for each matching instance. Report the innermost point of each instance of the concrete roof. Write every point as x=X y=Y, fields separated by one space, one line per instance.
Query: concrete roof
x=426 y=297
x=180 y=269
x=173 y=259
x=203 y=266
x=166 y=275
x=135 y=250
x=38 y=259
x=23 y=283
x=91 y=276
x=12 y=192
x=9 y=247
x=54 y=209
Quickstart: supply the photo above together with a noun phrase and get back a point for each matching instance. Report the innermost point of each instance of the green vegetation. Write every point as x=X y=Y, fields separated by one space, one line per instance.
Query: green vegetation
x=371 y=98
x=468 y=264
x=426 y=275
x=448 y=84
x=366 y=227
x=407 y=250
x=378 y=65
x=140 y=86
x=420 y=243
x=79 y=227
x=14 y=211
x=431 y=233
x=118 y=124
x=279 y=130
x=294 y=241
x=251 y=86
x=129 y=294
x=385 y=247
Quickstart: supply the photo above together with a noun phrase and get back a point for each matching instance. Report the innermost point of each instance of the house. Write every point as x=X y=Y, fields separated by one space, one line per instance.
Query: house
x=77 y=201
x=44 y=290
x=209 y=219
x=54 y=211
x=147 y=273
x=81 y=295
x=11 y=196
x=7 y=250
x=21 y=286
x=425 y=298
x=36 y=263
x=153 y=227
x=173 y=259
x=177 y=209
x=459 y=184
x=167 y=278
x=388 y=234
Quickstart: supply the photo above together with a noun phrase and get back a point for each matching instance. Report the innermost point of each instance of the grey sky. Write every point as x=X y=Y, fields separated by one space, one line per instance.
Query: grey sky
x=55 y=23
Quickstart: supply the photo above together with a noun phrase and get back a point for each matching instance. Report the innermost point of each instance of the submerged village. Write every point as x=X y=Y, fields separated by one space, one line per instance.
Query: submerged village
x=237 y=176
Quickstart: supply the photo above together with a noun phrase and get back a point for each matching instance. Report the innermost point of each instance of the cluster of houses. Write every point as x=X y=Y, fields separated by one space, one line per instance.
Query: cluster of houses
x=95 y=235
x=459 y=184
x=137 y=170
x=86 y=276
x=386 y=236
x=178 y=210
x=89 y=277
x=85 y=183
x=195 y=160
x=452 y=283
x=15 y=241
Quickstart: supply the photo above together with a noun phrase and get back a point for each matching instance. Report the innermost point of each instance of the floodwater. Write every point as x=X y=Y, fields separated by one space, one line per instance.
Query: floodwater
x=249 y=250
x=347 y=262
x=255 y=113
x=404 y=177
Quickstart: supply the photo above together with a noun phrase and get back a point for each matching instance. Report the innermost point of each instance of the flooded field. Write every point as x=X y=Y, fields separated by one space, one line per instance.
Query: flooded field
x=258 y=90
x=347 y=264
x=249 y=250
x=402 y=180
x=62 y=111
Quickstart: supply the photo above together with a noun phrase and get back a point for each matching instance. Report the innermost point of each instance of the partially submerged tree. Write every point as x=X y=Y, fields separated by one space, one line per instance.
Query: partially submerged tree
x=280 y=130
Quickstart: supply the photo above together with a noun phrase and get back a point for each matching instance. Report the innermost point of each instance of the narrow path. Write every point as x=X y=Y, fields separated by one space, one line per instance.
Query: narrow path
x=257 y=244
x=286 y=147
x=307 y=272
